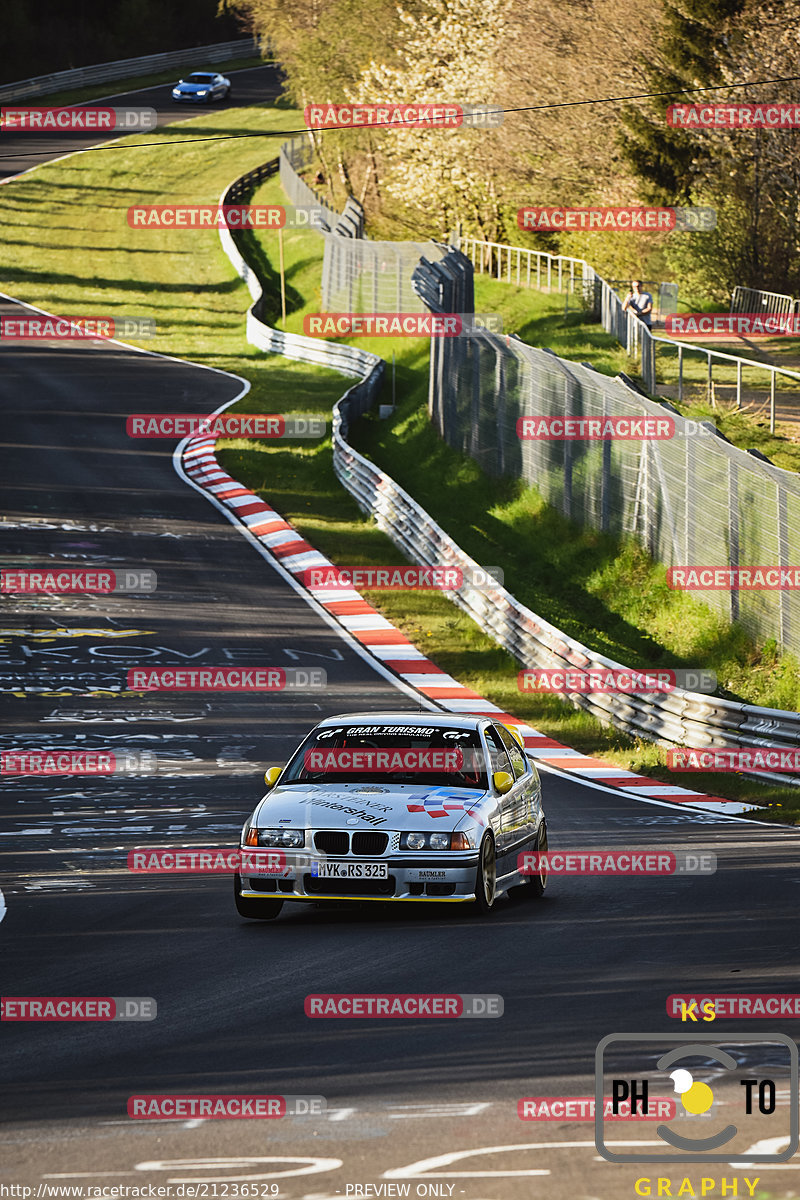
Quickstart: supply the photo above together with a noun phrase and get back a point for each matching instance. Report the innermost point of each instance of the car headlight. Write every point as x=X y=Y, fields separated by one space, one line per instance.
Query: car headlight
x=280 y=837
x=176 y=91
x=436 y=841
x=203 y=92
x=413 y=841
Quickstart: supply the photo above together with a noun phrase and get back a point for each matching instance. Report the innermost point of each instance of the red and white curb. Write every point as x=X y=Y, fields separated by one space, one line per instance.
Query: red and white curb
x=384 y=643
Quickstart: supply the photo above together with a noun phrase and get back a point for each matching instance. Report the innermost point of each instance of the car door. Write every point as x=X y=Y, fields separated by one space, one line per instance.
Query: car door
x=500 y=761
x=520 y=811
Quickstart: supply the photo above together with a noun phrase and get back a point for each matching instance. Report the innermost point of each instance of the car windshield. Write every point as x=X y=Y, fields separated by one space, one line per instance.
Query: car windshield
x=201 y=79
x=423 y=755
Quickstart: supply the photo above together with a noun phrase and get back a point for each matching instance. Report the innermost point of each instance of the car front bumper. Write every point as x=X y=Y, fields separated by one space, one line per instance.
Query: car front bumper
x=411 y=879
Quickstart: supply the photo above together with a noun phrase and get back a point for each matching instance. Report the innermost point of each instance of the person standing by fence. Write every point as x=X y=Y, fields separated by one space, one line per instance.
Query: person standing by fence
x=641 y=303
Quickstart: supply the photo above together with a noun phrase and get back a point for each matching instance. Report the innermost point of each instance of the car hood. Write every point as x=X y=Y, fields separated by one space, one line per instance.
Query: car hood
x=367 y=806
x=193 y=87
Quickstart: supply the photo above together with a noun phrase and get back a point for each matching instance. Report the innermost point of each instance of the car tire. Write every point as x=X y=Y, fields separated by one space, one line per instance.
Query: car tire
x=254 y=910
x=536 y=884
x=486 y=877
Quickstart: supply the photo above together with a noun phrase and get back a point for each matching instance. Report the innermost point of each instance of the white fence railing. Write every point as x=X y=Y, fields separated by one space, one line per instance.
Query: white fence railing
x=535 y=268
x=675 y=718
x=755 y=300
x=127 y=68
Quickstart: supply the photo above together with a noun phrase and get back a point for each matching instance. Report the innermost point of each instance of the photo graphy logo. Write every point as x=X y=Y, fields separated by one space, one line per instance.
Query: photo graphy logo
x=726 y=1089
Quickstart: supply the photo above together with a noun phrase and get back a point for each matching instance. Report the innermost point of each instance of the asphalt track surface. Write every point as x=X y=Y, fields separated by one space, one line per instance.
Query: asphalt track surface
x=596 y=956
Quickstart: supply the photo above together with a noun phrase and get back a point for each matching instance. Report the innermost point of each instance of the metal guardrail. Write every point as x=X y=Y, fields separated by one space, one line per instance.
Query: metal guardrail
x=340 y=357
x=676 y=718
x=126 y=68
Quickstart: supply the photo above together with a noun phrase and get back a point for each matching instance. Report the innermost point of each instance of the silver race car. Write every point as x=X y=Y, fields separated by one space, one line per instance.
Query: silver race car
x=426 y=807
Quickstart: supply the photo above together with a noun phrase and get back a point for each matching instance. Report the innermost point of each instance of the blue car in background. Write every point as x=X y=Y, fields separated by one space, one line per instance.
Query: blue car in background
x=202 y=87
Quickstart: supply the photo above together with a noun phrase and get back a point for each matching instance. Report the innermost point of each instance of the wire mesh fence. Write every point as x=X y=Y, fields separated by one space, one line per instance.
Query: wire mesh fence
x=691 y=498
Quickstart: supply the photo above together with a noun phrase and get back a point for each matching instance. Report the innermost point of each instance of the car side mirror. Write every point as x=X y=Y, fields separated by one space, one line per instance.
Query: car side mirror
x=502 y=781
x=272 y=776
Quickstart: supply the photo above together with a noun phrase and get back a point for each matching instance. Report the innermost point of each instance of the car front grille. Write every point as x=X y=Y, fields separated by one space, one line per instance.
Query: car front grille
x=332 y=841
x=370 y=842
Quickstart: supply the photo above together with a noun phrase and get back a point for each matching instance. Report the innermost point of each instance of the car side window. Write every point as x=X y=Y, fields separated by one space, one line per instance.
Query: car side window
x=515 y=752
x=497 y=751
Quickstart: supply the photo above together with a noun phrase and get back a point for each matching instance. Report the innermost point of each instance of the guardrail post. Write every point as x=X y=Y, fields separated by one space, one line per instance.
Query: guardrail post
x=772 y=401
x=605 y=479
x=529 y=269
x=710 y=392
x=784 y=560
x=733 y=532
x=738 y=383
x=680 y=377
x=567 y=453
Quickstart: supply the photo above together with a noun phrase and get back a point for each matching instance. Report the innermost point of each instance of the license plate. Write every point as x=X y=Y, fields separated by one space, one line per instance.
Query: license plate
x=350 y=870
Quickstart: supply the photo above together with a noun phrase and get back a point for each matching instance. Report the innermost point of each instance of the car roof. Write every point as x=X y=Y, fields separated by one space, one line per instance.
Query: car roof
x=449 y=720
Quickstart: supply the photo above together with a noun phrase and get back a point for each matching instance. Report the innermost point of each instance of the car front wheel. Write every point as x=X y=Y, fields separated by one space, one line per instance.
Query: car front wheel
x=254 y=910
x=486 y=879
